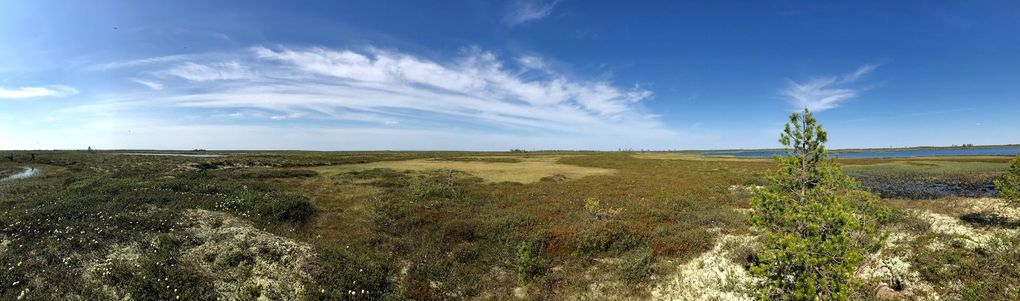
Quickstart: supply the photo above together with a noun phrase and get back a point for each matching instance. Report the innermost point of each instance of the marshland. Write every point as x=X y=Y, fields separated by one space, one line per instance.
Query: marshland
x=465 y=225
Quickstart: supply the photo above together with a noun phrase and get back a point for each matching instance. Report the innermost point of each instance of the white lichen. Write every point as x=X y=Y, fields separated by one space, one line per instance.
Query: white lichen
x=969 y=237
x=891 y=270
x=96 y=271
x=4 y=244
x=246 y=263
x=744 y=189
x=992 y=205
x=246 y=260
x=711 y=276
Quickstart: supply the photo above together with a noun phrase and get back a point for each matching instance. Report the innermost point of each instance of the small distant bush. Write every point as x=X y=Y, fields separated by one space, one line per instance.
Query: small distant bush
x=423 y=189
x=594 y=208
x=285 y=209
x=527 y=259
x=1008 y=185
x=607 y=238
x=637 y=267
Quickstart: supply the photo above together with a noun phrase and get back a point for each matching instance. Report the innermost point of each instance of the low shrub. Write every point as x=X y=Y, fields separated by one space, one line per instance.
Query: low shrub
x=285 y=209
x=271 y=173
x=346 y=275
x=606 y=238
x=682 y=244
x=424 y=189
x=636 y=267
x=527 y=259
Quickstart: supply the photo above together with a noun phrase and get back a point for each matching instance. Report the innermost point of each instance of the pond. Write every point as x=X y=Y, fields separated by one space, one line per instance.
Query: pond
x=28 y=172
x=990 y=151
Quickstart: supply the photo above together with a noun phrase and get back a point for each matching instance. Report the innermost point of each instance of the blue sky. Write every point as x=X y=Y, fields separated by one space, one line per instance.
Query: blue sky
x=491 y=75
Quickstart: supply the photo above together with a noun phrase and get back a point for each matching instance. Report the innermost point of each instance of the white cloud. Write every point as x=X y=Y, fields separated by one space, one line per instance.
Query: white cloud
x=827 y=92
x=288 y=116
x=523 y=11
x=150 y=84
x=475 y=85
x=31 y=92
x=472 y=95
x=216 y=71
x=532 y=62
x=141 y=62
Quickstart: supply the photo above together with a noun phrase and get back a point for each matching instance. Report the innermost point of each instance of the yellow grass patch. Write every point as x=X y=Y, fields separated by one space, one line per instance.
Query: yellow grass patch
x=693 y=156
x=528 y=170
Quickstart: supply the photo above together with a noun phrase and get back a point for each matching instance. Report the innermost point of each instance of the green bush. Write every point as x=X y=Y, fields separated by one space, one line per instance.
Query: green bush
x=285 y=209
x=339 y=273
x=424 y=189
x=1008 y=185
x=637 y=267
x=816 y=224
x=607 y=237
x=527 y=260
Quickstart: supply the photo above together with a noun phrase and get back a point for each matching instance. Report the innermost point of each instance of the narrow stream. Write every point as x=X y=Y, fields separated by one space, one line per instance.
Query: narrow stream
x=28 y=172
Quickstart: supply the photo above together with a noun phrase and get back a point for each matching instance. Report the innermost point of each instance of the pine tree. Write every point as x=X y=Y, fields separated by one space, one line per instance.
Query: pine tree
x=1008 y=185
x=816 y=224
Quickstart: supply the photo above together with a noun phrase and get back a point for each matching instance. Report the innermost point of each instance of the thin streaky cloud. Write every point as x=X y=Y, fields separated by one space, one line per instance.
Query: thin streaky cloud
x=860 y=72
x=524 y=11
x=148 y=83
x=217 y=71
x=141 y=62
x=33 y=92
x=826 y=92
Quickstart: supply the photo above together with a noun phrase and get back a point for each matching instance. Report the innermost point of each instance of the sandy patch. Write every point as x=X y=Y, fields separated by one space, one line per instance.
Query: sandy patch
x=528 y=170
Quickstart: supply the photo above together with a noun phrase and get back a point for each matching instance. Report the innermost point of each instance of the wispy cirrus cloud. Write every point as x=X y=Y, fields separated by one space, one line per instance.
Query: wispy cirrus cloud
x=148 y=83
x=33 y=92
x=372 y=88
x=826 y=92
x=230 y=70
x=141 y=62
x=523 y=11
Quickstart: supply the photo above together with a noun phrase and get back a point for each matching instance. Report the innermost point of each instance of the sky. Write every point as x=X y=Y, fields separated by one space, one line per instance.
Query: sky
x=497 y=75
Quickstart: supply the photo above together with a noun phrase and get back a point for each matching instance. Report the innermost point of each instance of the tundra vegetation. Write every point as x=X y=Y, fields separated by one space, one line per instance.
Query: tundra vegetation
x=581 y=225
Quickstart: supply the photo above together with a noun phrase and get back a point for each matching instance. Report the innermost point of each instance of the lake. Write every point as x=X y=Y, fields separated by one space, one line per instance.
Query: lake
x=996 y=151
